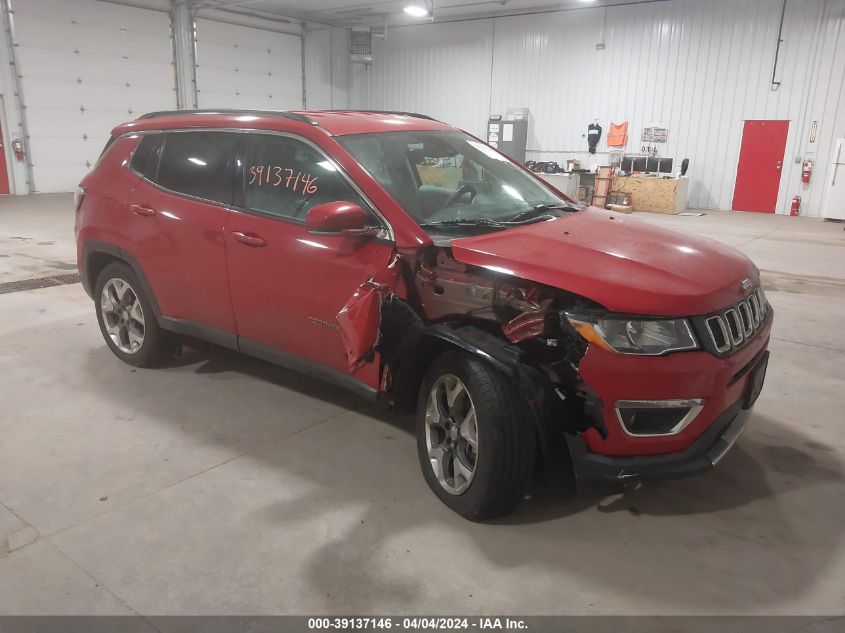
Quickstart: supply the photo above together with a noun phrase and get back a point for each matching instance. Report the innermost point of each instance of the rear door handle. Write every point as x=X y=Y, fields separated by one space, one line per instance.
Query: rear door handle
x=143 y=210
x=249 y=240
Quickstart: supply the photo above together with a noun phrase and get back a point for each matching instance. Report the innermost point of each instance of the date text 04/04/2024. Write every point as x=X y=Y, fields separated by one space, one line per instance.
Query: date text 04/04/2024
x=417 y=623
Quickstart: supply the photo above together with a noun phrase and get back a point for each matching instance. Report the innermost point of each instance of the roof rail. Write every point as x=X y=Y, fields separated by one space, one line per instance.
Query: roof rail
x=416 y=115
x=294 y=116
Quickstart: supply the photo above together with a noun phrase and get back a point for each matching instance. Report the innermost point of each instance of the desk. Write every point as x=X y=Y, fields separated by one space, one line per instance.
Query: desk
x=656 y=195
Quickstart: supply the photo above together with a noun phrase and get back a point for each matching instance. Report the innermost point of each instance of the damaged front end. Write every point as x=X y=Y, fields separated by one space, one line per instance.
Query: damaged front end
x=427 y=302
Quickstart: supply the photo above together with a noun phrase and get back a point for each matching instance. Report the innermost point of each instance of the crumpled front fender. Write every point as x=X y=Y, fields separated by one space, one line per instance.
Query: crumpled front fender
x=360 y=318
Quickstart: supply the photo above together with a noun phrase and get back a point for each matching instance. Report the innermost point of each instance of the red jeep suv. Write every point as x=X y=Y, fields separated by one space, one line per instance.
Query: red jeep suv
x=404 y=259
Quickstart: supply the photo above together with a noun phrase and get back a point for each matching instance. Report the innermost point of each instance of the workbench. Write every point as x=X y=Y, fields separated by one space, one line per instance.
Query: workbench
x=656 y=195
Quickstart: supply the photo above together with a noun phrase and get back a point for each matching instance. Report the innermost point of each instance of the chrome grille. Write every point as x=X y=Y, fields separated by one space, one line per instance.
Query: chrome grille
x=737 y=324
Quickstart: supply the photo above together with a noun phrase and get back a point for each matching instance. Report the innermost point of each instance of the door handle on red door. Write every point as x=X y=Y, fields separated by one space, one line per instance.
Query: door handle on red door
x=249 y=240
x=780 y=165
x=142 y=210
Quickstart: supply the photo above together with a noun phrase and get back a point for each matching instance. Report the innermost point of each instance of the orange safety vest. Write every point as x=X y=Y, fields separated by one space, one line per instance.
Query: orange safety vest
x=618 y=135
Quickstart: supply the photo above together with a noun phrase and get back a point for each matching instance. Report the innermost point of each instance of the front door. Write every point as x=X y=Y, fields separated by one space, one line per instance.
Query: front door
x=760 y=166
x=287 y=285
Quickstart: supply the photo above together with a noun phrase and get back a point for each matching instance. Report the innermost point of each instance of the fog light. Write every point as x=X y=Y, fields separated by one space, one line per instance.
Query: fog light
x=649 y=418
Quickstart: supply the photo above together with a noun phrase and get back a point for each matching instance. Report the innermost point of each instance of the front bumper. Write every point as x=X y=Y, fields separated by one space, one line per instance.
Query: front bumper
x=699 y=457
x=719 y=382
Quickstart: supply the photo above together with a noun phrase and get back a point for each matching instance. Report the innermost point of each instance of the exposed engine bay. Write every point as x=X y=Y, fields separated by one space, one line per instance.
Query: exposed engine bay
x=421 y=305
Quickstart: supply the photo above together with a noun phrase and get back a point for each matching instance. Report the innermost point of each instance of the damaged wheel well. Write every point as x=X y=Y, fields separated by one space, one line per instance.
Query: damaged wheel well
x=539 y=395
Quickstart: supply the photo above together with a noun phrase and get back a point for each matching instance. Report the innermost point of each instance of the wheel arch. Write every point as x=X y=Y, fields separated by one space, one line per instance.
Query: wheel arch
x=531 y=383
x=98 y=255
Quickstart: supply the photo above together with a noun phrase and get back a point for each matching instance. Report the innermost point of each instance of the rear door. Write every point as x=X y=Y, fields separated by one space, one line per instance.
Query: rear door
x=178 y=209
x=287 y=285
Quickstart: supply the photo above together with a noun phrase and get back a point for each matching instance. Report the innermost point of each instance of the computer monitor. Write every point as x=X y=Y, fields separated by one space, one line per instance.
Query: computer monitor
x=665 y=166
x=659 y=165
x=647 y=164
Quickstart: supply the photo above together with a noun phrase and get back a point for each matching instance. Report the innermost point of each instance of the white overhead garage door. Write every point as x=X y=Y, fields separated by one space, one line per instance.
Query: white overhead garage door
x=243 y=67
x=87 y=66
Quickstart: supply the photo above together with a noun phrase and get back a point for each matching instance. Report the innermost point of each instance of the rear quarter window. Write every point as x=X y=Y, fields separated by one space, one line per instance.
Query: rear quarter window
x=145 y=157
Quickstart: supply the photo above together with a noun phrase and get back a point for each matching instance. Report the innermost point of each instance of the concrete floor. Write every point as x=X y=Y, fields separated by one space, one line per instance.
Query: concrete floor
x=225 y=485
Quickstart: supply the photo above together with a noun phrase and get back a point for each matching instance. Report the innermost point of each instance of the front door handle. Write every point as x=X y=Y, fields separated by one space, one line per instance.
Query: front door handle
x=779 y=165
x=249 y=240
x=143 y=210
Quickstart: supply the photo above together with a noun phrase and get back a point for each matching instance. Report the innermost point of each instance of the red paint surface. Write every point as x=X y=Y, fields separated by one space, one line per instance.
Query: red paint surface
x=182 y=252
x=4 y=173
x=624 y=264
x=758 y=174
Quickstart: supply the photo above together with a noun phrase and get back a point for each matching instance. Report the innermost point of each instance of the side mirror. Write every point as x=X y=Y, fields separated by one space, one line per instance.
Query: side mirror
x=339 y=218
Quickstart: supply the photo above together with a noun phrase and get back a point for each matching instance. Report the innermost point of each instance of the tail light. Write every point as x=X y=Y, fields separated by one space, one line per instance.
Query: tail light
x=78 y=197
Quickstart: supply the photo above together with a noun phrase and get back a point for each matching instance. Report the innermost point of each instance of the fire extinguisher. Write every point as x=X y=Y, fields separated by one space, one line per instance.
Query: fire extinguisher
x=806 y=171
x=796 y=205
x=17 y=148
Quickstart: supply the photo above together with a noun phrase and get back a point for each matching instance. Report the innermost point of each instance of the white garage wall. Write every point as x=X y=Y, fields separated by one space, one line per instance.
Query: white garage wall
x=442 y=70
x=326 y=68
x=244 y=67
x=698 y=68
x=85 y=67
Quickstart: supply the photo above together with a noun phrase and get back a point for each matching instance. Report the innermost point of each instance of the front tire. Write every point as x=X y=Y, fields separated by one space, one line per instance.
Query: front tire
x=126 y=318
x=475 y=438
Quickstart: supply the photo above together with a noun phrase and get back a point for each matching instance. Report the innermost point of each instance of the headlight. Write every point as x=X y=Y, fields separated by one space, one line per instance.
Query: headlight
x=636 y=336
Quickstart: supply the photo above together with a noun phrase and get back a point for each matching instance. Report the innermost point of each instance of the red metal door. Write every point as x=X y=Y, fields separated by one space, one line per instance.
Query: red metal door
x=760 y=166
x=4 y=174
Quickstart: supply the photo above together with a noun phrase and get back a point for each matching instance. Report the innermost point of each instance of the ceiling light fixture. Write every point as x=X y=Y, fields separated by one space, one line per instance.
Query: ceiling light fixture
x=417 y=11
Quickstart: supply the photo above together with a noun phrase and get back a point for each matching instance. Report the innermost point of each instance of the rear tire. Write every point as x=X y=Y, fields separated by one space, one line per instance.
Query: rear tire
x=475 y=437
x=126 y=318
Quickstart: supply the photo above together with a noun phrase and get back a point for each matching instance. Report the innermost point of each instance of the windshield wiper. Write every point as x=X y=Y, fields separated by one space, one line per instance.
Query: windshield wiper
x=464 y=222
x=538 y=212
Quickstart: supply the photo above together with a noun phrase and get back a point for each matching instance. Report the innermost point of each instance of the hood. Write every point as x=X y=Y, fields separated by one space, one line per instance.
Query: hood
x=624 y=264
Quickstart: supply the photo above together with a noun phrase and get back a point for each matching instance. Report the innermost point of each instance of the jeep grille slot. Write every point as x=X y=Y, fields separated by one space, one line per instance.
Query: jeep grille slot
x=736 y=325
x=719 y=333
x=747 y=320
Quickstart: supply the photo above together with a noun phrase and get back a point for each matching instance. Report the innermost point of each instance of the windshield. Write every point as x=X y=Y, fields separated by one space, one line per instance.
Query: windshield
x=451 y=180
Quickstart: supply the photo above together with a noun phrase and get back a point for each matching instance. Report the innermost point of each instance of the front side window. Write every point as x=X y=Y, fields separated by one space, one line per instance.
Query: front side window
x=285 y=177
x=199 y=164
x=449 y=179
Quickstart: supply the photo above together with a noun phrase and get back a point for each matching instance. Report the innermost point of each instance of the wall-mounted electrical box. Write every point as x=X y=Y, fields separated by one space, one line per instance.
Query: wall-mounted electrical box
x=508 y=136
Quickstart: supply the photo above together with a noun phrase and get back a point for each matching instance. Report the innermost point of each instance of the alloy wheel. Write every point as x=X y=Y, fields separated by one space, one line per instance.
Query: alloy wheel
x=123 y=316
x=451 y=433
